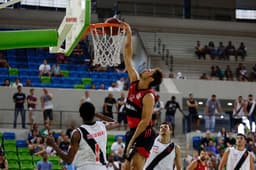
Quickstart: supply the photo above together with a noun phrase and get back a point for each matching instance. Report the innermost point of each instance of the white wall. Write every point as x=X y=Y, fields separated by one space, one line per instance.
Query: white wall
x=68 y=99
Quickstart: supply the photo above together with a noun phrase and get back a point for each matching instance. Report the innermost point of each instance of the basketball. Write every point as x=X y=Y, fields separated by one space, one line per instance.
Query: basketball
x=114 y=29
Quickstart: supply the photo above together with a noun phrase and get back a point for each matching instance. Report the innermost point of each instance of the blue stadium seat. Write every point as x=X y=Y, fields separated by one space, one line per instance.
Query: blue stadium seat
x=21 y=143
x=3 y=71
x=9 y=135
x=196 y=142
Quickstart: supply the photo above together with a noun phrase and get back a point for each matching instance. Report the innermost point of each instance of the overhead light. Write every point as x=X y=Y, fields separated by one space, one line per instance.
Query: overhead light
x=200 y=116
x=229 y=104
x=222 y=116
x=200 y=103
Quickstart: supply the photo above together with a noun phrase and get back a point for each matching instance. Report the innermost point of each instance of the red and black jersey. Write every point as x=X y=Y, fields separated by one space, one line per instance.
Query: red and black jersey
x=134 y=104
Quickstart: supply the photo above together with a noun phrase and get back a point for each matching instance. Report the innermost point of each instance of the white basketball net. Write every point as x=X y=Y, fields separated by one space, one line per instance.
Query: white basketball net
x=107 y=46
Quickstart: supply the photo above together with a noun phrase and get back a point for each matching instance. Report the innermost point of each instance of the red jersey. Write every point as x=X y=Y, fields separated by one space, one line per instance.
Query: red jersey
x=200 y=166
x=134 y=104
x=32 y=98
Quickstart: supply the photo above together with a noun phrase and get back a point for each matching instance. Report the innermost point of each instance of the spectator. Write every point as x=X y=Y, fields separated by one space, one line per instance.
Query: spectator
x=45 y=130
x=3 y=161
x=19 y=100
x=16 y=83
x=219 y=73
x=31 y=100
x=238 y=112
x=102 y=87
x=193 y=117
x=211 y=50
x=117 y=148
x=85 y=98
x=199 y=51
x=121 y=117
x=47 y=105
x=36 y=146
x=205 y=140
x=158 y=107
x=238 y=69
x=56 y=71
x=45 y=69
x=44 y=163
x=213 y=73
x=212 y=105
x=250 y=110
x=211 y=148
x=93 y=87
x=230 y=50
x=171 y=75
x=78 y=51
x=109 y=102
x=72 y=126
x=241 y=51
x=243 y=74
x=120 y=83
x=222 y=134
x=61 y=59
x=228 y=73
x=6 y=83
x=28 y=83
x=3 y=62
x=113 y=87
x=253 y=73
x=204 y=77
x=64 y=144
x=171 y=106
x=112 y=164
x=230 y=140
x=201 y=162
x=221 y=51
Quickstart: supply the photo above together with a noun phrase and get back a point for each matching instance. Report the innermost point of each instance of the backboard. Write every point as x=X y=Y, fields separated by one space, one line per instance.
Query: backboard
x=77 y=19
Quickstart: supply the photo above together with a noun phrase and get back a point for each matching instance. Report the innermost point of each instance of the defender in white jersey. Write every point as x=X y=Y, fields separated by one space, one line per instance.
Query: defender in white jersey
x=164 y=155
x=233 y=155
x=88 y=142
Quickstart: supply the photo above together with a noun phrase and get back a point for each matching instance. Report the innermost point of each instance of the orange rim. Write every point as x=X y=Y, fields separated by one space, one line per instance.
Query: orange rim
x=98 y=27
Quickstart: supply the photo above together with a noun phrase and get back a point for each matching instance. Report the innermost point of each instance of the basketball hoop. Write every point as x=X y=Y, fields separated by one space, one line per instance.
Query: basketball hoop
x=107 y=40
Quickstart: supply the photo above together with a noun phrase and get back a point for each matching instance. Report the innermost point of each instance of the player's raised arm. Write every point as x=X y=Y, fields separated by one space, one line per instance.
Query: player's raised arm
x=128 y=52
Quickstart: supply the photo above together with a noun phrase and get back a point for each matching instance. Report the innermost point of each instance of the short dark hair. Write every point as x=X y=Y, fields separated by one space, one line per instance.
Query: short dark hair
x=87 y=111
x=158 y=77
x=243 y=135
x=167 y=123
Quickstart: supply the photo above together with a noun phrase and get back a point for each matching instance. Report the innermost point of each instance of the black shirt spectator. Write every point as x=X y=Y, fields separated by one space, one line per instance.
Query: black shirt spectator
x=19 y=100
x=221 y=51
x=241 y=51
x=230 y=50
x=228 y=73
x=108 y=105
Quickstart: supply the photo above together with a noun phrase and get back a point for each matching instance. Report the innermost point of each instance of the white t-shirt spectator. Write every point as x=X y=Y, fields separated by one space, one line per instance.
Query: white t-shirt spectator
x=45 y=68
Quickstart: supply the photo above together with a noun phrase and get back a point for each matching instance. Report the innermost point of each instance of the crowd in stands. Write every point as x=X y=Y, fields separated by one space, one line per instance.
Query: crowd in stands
x=241 y=73
x=221 y=52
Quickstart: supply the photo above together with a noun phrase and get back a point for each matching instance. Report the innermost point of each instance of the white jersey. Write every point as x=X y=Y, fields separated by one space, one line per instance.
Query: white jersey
x=238 y=111
x=85 y=158
x=234 y=157
x=167 y=163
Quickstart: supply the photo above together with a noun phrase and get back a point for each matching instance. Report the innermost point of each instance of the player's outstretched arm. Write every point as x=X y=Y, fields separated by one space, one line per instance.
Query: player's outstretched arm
x=109 y=122
x=67 y=157
x=128 y=52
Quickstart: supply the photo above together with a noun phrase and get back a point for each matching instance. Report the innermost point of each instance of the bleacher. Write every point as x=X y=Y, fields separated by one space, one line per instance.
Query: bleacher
x=181 y=47
x=25 y=63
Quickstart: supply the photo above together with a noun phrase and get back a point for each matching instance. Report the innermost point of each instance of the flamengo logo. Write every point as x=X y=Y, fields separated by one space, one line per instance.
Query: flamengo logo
x=71 y=19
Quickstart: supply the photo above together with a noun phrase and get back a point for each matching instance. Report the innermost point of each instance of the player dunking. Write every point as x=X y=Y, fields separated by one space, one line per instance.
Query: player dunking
x=88 y=142
x=139 y=109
